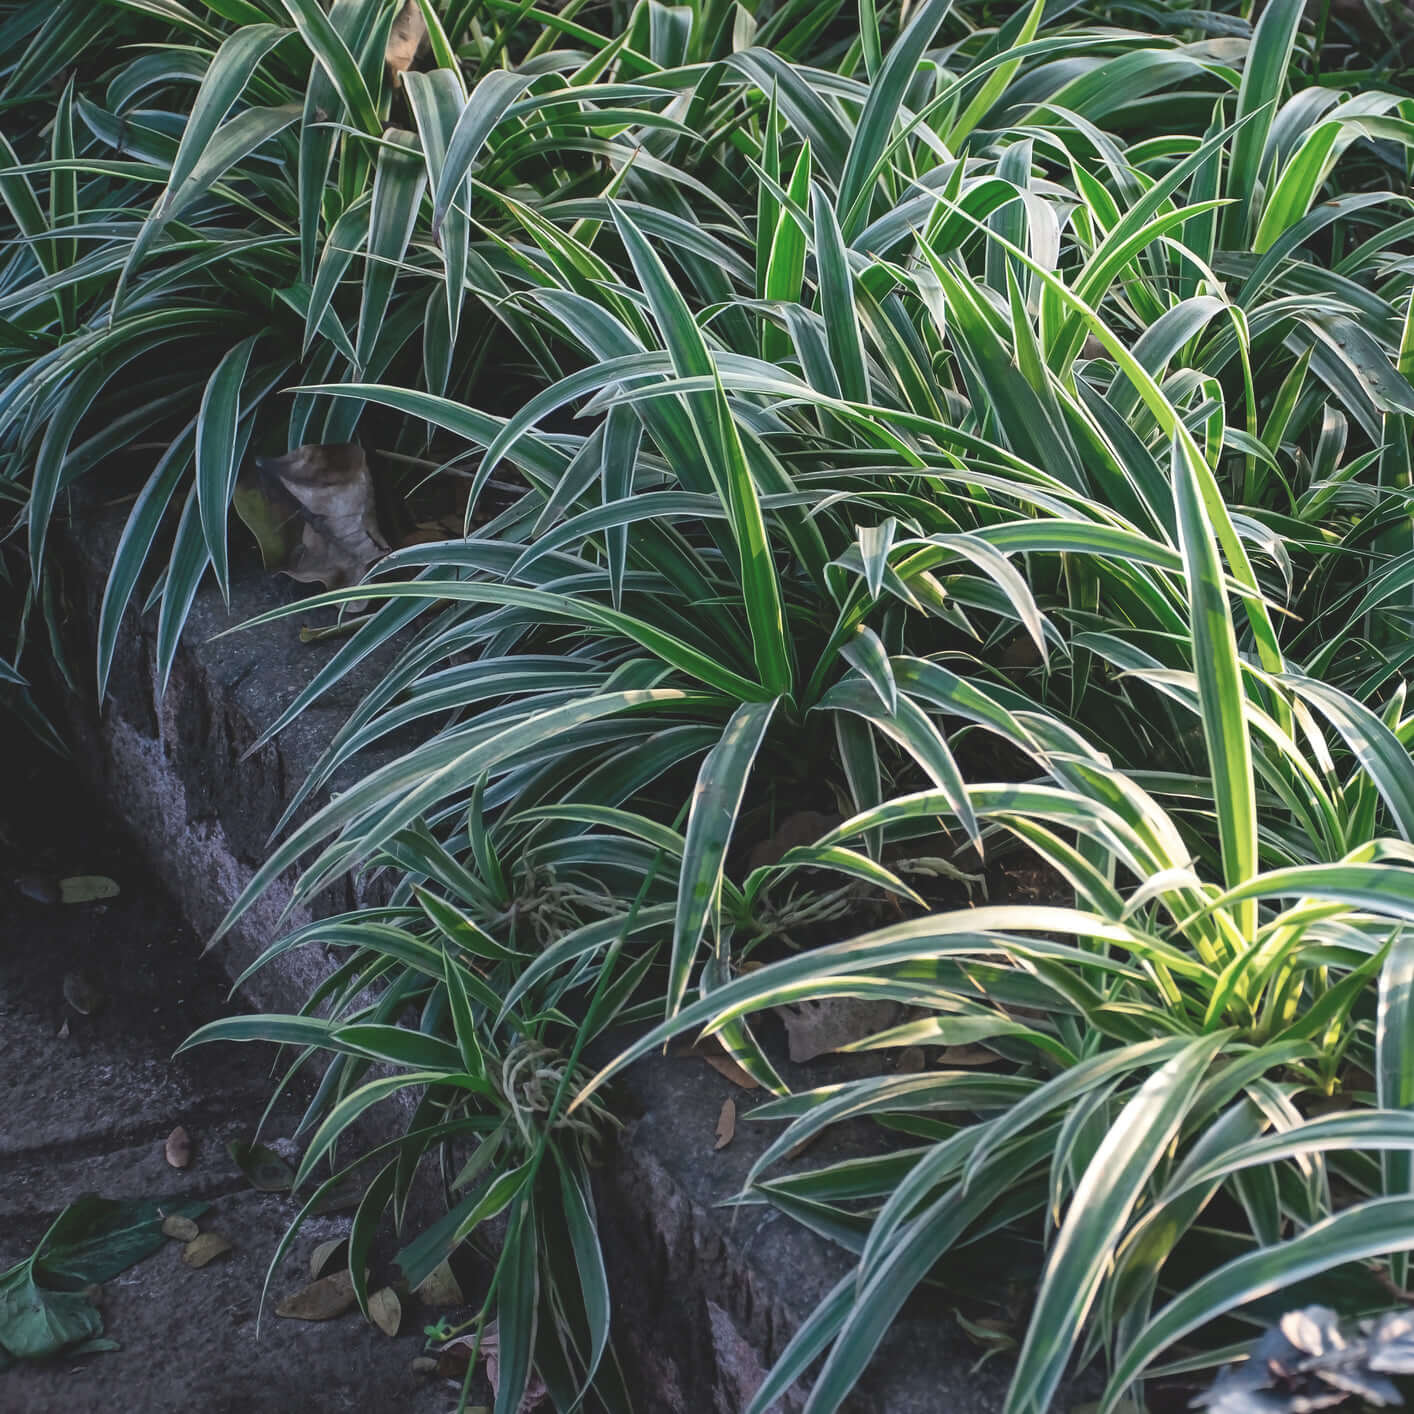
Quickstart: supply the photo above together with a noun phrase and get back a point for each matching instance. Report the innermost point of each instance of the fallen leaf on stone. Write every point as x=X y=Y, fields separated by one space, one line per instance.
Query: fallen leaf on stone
x=204 y=1248
x=39 y=888
x=385 y=1310
x=341 y=1198
x=178 y=1148
x=323 y=1255
x=721 y=1060
x=424 y=1365
x=263 y=1167
x=723 y=1064
x=321 y=1300
x=47 y=1303
x=82 y=993
x=911 y=1060
x=440 y=1288
x=814 y=1028
x=327 y=491
x=63 y=1032
x=726 y=1124
x=407 y=36
x=183 y=1229
x=86 y=888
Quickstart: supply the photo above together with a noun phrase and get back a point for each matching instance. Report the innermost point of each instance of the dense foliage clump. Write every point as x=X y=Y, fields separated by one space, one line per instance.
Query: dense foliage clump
x=983 y=432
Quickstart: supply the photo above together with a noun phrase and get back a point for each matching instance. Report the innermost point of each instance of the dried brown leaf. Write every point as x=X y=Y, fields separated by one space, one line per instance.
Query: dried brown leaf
x=178 y=1148
x=911 y=1061
x=321 y=1300
x=815 y=1028
x=328 y=491
x=965 y=1056
x=183 y=1229
x=723 y=1064
x=440 y=1288
x=385 y=1310
x=204 y=1248
x=726 y=1124
x=323 y=1255
x=405 y=40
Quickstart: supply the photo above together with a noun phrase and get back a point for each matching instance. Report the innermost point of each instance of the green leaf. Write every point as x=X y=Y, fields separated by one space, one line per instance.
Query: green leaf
x=1101 y=1208
x=398 y=184
x=837 y=301
x=332 y=54
x=216 y=465
x=1263 y=76
x=225 y=81
x=1221 y=692
x=1356 y=1234
x=94 y=1238
x=1394 y=1064
x=721 y=783
x=485 y=107
x=881 y=110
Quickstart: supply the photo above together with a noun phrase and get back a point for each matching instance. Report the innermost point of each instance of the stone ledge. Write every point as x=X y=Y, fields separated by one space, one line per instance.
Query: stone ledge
x=706 y=1297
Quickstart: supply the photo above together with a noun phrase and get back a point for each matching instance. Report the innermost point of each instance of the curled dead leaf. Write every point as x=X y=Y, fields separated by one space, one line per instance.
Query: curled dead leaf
x=424 y=1365
x=321 y=1300
x=323 y=1256
x=726 y=1124
x=63 y=1032
x=178 y=1148
x=325 y=494
x=183 y=1229
x=966 y=1056
x=911 y=1060
x=385 y=1310
x=204 y=1248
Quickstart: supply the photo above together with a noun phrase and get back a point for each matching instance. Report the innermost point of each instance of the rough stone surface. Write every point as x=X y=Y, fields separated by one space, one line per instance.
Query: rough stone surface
x=706 y=1297
x=89 y=1102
